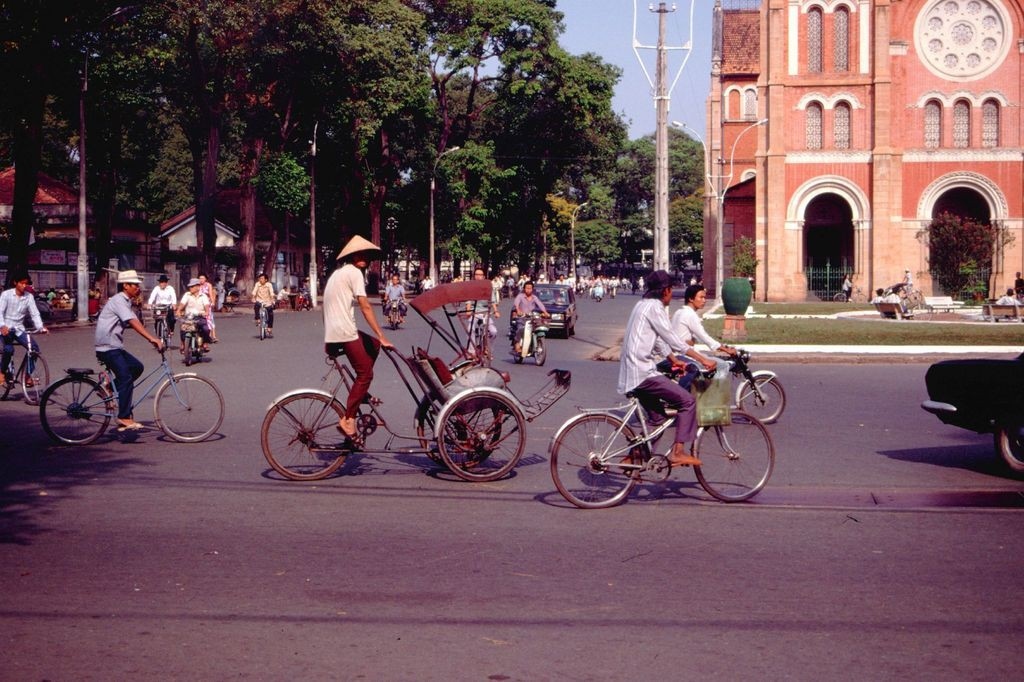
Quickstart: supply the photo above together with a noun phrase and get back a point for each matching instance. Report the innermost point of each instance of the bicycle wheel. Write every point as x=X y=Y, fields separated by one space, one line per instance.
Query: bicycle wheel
x=40 y=380
x=840 y=298
x=159 y=327
x=540 y=354
x=75 y=410
x=300 y=438
x=736 y=460
x=480 y=435
x=188 y=408
x=586 y=457
x=763 y=398
x=914 y=302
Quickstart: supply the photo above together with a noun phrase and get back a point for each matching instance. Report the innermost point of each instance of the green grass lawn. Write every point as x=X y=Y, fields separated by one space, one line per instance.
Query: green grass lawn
x=847 y=332
x=808 y=308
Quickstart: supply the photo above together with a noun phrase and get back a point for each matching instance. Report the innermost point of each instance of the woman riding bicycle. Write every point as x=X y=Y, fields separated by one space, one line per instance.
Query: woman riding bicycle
x=15 y=305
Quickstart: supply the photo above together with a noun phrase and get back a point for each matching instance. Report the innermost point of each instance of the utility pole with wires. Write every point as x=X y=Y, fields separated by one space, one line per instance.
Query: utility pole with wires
x=662 y=93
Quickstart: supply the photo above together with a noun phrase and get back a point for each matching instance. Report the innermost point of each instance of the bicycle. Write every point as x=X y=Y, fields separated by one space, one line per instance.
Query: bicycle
x=77 y=409
x=856 y=295
x=598 y=456
x=263 y=333
x=759 y=394
x=160 y=323
x=38 y=378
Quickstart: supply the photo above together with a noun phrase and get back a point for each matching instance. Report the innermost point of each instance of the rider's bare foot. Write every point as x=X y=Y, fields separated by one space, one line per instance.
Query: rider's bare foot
x=680 y=457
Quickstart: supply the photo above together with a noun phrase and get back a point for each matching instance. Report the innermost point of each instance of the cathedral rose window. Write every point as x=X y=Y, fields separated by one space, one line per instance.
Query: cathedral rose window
x=963 y=39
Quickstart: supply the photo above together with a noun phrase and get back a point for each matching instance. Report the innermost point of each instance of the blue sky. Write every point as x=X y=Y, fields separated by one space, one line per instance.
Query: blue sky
x=605 y=27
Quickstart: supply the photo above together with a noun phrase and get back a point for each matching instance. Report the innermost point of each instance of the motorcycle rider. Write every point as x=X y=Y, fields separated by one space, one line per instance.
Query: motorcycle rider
x=195 y=304
x=524 y=304
x=394 y=294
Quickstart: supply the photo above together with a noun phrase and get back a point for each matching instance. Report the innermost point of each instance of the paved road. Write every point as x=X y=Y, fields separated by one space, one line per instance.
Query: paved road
x=886 y=544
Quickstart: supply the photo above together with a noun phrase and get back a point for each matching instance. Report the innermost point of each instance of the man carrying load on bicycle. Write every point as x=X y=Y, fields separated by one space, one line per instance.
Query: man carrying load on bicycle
x=346 y=289
x=15 y=305
x=164 y=298
x=115 y=317
x=648 y=337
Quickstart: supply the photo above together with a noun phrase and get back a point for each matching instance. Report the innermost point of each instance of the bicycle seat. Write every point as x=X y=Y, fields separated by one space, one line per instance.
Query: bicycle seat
x=80 y=371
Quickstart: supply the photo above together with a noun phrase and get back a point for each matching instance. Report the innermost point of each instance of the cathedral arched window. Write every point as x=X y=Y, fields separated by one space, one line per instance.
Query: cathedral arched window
x=814 y=41
x=841 y=39
x=990 y=123
x=932 y=124
x=813 y=126
x=750 y=104
x=841 y=123
x=961 y=124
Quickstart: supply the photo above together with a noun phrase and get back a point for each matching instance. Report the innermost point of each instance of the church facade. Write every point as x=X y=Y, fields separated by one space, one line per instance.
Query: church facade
x=853 y=124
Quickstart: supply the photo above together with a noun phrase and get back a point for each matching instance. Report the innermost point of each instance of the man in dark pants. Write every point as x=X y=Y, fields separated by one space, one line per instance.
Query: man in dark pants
x=648 y=337
x=115 y=317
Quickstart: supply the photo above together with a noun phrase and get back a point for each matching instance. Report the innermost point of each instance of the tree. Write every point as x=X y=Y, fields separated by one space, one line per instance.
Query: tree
x=283 y=187
x=41 y=48
x=961 y=252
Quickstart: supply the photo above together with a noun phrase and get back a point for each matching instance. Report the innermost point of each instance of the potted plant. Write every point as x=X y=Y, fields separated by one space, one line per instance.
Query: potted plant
x=736 y=290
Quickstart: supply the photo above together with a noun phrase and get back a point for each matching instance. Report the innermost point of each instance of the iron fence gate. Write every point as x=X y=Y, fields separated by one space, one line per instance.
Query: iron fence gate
x=826 y=281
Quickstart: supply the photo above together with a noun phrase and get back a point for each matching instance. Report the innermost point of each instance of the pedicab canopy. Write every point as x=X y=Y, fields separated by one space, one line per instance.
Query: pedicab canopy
x=452 y=294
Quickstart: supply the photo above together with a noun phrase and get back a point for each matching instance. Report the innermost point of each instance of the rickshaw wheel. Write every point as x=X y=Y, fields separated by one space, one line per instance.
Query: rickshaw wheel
x=481 y=435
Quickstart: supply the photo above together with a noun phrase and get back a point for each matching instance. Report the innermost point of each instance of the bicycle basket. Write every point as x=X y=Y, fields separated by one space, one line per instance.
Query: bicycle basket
x=188 y=326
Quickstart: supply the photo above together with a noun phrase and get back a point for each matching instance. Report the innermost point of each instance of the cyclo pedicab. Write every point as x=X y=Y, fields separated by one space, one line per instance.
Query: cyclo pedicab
x=466 y=416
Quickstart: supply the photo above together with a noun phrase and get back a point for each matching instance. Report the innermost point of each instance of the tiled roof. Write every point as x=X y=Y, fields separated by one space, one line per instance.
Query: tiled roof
x=741 y=42
x=50 y=192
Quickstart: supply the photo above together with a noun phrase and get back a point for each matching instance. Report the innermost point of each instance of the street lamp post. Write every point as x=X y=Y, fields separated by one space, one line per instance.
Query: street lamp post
x=719 y=186
x=433 y=177
x=313 y=283
x=572 y=239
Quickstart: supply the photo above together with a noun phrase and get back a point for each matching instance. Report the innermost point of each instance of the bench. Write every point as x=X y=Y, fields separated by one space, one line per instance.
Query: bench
x=996 y=312
x=891 y=310
x=943 y=303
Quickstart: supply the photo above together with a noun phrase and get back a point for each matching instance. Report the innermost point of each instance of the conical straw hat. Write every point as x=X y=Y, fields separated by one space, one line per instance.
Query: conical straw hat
x=356 y=244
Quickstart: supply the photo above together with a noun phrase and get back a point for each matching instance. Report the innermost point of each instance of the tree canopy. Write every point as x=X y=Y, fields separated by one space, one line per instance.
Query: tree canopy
x=190 y=98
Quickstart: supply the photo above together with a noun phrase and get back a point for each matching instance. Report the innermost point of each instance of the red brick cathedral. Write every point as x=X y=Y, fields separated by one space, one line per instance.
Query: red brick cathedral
x=880 y=115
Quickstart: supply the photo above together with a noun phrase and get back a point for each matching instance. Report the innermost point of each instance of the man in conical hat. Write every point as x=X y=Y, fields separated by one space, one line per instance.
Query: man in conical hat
x=345 y=289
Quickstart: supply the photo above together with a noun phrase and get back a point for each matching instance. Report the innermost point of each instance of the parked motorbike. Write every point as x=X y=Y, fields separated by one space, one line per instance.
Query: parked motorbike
x=534 y=332
x=303 y=300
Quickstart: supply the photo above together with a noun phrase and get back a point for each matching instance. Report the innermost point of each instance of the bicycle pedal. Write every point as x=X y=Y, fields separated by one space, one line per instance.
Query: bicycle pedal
x=370 y=400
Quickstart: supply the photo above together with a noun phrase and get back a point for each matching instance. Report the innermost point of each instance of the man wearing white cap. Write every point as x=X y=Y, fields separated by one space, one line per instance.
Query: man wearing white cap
x=346 y=289
x=116 y=315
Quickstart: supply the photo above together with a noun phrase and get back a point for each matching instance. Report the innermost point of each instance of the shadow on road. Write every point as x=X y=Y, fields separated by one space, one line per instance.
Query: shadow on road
x=35 y=473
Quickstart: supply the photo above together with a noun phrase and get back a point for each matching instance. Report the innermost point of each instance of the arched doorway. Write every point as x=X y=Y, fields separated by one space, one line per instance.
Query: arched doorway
x=828 y=244
x=961 y=244
x=963 y=202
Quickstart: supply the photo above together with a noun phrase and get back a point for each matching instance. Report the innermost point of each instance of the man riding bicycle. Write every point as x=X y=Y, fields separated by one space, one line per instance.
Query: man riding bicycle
x=116 y=316
x=648 y=337
x=263 y=295
x=15 y=305
x=164 y=298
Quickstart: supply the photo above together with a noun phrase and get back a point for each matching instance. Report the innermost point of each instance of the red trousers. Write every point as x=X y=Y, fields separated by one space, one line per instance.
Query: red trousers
x=361 y=354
